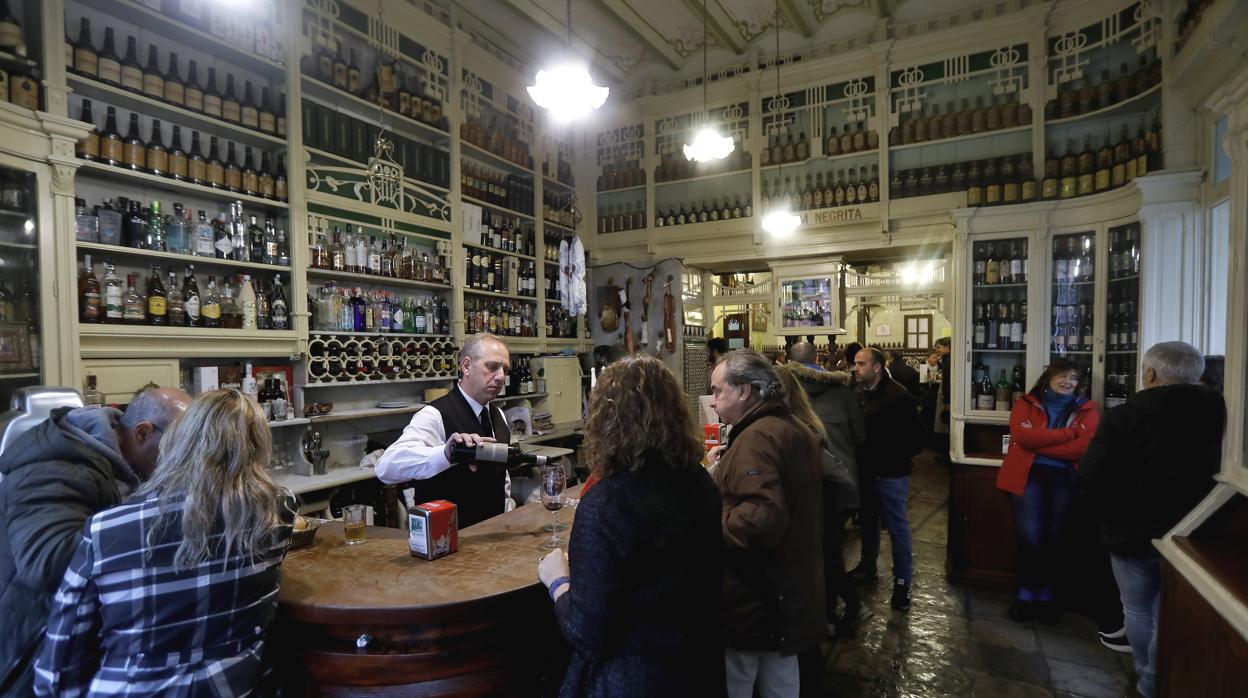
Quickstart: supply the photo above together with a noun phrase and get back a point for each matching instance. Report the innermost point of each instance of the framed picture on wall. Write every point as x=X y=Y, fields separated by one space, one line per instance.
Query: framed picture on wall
x=883 y=330
x=15 y=348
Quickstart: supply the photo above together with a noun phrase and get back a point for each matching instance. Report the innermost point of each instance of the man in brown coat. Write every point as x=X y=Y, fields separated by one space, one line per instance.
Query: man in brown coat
x=770 y=477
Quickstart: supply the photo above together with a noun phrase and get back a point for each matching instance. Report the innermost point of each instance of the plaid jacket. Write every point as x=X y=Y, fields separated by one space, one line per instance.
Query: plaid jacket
x=126 y=622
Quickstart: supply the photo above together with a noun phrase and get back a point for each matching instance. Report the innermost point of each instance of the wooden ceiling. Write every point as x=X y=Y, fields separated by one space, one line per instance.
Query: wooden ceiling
x=631 y=42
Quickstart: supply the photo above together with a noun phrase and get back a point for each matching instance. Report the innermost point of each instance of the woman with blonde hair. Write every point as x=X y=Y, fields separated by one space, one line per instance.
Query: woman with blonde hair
x=640 y=606
x=172 y=593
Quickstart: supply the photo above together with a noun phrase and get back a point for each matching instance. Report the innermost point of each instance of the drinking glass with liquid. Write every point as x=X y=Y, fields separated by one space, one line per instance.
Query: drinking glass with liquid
x=353 y=523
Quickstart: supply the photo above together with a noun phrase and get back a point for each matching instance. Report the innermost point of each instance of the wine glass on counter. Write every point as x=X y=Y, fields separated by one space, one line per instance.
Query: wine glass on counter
x=553 y=483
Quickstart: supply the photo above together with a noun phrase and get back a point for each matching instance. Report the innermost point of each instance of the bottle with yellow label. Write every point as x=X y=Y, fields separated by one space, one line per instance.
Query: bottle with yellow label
x=157 y=299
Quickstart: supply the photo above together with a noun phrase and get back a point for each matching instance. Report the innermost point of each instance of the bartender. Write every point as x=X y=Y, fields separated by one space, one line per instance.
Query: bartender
x=423 y=453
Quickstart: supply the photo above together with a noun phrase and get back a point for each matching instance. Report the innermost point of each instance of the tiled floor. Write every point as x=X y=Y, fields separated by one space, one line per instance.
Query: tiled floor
x=957 y=640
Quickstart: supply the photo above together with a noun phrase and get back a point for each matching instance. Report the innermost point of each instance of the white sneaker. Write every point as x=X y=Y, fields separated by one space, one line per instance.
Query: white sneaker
x=1116 y=641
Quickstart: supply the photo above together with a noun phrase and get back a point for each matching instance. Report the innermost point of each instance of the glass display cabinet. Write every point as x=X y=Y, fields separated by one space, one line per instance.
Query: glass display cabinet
x=807 y=299
x=20 y=360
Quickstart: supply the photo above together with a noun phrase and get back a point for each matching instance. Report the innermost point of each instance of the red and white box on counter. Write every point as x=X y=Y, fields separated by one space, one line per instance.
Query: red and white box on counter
x=433 y=529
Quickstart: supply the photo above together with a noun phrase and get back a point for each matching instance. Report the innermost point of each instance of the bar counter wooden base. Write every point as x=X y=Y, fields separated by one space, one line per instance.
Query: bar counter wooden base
x=372 y=620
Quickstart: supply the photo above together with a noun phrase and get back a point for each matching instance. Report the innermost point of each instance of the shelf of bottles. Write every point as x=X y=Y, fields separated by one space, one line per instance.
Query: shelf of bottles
x=21 y=362
x=962 y=125
x=1122 y=319
x=1072 y=321
x=335 y=359
x=522 y=383
x=822 y=147
x=621 y=184
x=690 y=192
x=20 y=53
x=226 y=133
x=346 y=67
x=999 y=323
x=1102 y=115
x=1189 y=18
x=355 y=255
x=496 y=165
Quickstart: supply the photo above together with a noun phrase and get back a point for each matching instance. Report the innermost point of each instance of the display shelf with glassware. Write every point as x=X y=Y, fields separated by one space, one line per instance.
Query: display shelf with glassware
x=998 y=324
x=21 y=359
x=1072 y=325
x=364 y=253
x=1122 y=314
x=806 y=298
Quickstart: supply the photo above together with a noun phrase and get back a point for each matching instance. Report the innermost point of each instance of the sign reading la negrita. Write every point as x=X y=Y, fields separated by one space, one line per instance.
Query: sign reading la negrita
x=843 y=214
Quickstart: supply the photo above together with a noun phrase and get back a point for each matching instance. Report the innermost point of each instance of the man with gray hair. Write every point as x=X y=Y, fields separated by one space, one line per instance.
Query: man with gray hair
x=76 y=463
x=463 y=416
x=1151 y=461
x=769 y=476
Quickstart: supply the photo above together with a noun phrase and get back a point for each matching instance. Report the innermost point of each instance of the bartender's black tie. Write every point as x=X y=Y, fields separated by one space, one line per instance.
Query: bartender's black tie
x=487 y=429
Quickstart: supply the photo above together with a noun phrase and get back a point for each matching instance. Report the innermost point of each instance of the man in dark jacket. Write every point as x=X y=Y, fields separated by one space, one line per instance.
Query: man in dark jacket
x=1151 y=461
x=768 y=475
x=837 y=407
x=74 y=464
x=894 y=435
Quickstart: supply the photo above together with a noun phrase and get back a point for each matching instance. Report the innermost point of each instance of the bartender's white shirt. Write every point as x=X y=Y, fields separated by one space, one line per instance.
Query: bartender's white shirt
x=420 y=452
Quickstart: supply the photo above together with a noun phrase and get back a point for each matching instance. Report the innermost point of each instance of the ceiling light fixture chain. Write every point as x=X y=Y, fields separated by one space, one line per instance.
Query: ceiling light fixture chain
x=707 y=144
x=780 y=222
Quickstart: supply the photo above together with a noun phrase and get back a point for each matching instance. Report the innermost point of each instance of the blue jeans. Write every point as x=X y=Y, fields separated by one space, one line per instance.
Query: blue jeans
x=887 y=502
x=1139 y=583
x=1041 y=512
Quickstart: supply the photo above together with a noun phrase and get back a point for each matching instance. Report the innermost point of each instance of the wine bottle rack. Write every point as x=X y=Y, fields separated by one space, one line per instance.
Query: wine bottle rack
x=362 y=359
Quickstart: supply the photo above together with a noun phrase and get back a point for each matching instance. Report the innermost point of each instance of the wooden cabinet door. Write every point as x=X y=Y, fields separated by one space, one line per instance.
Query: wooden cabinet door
x=982 y=531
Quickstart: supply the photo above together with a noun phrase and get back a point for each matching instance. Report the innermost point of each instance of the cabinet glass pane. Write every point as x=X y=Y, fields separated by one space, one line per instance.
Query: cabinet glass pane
x=999 y=329
x=1072 y=315
x=1122 y=326
x=19 y=285
x=806 y=303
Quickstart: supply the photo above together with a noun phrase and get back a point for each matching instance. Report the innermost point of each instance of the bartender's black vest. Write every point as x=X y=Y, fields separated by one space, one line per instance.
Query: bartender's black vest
x=478 y=495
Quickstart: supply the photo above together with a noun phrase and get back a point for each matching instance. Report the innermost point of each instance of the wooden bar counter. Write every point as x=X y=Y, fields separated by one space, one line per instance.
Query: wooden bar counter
x=372 y=620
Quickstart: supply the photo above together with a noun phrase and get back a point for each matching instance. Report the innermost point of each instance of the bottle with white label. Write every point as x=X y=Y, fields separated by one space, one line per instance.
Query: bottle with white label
x=246 y=303
x=202 y=235
x=113 y=307
x=249 y=382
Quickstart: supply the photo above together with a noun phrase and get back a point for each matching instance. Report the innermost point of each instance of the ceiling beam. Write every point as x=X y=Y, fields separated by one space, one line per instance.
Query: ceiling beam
x=645 y=31
x=557 y=28
x=803 y=17
x=721 y=23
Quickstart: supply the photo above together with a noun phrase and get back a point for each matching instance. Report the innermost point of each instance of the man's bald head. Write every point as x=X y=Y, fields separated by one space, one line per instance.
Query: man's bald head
x=146 y=419
x=803 y=352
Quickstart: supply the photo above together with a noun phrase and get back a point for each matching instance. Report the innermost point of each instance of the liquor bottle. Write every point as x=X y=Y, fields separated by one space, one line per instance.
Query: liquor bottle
x=1104 y=164
x=993 y=118
x=153 y=78
x=1068 y=187
x=214 y=169
x=255 y=243
x=89 y=147
x=249 y=386
x=281 y=115
x=279 y=179
x=86 y=223
x=175 y=90
x=154 y=237
x=992 y=183
x=1005 y=325
x=279 y=310
x=110 y=224
x=192 y=92
x=177 y=158
x=89 y=294
x=246 y=303
x=134 y=306
x=175 y=303
x=262 y=305
x=135 y=148
x=157 y=299
x=341 y=76
x=231 y=108
x=108 y=65
x=1122 y=155
x=265 y=116
x=1018 y=326
x=131 y=71
x=249 y=111
x=1026 y=178
x=250 y=179
x=270 y=253
x=979 y=117
x=157 y=158
x=496 y=454
x=191 y=302
x=212 y=304
x=212 y=98
x=86 y=60
x=134 y=225
x=355 y=83
x=112 y=149
x=233 y=173
x=1087 y=167
x=196 y=164
x=265 y=176
x=974 y=185
x=92 y=395
x=1005 y=394
x=176 y=231
x=986 y=397
x=832 y=144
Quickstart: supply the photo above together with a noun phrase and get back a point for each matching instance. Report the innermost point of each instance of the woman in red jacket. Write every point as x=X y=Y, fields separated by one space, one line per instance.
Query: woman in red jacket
x=1050 y=428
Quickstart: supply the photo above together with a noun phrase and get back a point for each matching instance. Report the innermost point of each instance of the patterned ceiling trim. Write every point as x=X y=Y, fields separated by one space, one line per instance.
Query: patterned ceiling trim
x=762 y=16
x=690 y=40
x=824 y=9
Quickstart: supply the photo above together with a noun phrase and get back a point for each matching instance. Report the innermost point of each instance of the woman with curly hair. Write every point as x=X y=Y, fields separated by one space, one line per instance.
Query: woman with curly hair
x=640 y=604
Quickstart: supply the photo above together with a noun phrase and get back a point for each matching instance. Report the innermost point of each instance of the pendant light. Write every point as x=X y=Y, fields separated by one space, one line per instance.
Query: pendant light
x=707 y=144
x=780 y=222
x=567 y=92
